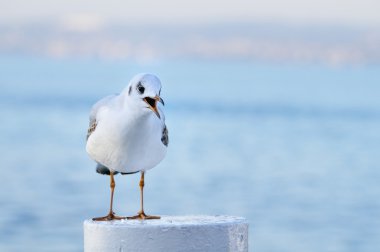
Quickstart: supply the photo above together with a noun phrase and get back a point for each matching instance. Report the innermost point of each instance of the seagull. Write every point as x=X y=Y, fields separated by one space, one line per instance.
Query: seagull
x=127 y=134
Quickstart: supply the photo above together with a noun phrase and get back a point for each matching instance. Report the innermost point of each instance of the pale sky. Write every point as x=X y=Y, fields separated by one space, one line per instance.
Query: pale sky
x=346 y=12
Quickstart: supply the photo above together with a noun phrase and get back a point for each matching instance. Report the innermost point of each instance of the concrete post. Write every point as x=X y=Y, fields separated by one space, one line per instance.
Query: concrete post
x=170 y=233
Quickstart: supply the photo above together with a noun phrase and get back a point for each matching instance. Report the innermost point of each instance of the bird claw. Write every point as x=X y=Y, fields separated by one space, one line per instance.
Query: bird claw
x=109 y=217
x=143 y=216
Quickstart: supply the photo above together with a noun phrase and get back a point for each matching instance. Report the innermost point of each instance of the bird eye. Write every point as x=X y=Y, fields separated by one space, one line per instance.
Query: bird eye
x=140 y=88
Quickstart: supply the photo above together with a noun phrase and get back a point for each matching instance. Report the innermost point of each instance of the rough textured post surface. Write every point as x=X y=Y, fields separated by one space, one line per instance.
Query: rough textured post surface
x=170 y=233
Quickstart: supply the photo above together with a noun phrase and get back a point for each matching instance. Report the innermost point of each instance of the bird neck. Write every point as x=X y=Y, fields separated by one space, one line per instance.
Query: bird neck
x=134 y=110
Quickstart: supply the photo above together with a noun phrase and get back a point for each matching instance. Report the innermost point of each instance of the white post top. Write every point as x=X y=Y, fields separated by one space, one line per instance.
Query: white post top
x=170 y=233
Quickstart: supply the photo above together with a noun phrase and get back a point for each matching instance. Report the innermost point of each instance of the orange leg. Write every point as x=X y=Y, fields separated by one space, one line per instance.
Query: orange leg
x=111 y=215
x=141 y=214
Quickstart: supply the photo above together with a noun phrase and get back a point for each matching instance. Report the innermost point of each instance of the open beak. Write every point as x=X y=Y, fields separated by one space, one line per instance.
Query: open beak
x=152 y=103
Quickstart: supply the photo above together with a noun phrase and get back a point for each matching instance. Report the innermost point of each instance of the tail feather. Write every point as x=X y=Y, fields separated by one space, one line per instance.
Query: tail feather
x=102 y=169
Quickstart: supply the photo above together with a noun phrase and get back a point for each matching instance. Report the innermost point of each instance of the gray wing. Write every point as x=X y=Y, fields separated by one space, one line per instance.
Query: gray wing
x=94 y=111
x=165 y=136
x=165 y=132
x=92 y=127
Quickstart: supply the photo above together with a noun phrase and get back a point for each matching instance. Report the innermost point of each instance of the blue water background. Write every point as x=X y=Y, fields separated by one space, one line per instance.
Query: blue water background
x=293 y=148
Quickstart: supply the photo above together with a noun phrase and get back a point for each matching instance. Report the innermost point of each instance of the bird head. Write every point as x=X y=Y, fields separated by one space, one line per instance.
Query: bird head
x=145 y=91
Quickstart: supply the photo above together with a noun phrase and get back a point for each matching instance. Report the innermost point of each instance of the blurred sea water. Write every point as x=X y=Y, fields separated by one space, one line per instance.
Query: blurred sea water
x=293 y=148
